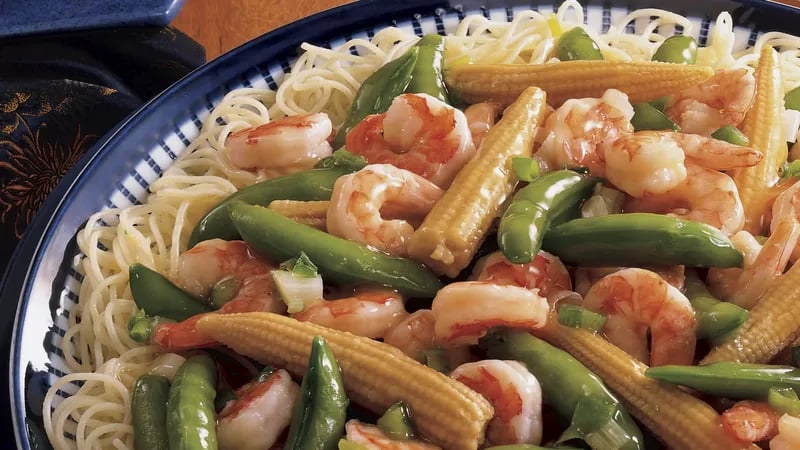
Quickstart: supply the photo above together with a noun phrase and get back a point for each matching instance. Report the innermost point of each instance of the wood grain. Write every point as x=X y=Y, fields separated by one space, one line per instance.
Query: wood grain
x=221 y=26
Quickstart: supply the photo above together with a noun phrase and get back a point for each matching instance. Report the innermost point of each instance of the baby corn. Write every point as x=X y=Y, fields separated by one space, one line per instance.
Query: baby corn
x=641 y=80
x=763 y=126
x=457 y=224
x=376 y=375
x=311 y=213
x=676 y=417
x=774 y=322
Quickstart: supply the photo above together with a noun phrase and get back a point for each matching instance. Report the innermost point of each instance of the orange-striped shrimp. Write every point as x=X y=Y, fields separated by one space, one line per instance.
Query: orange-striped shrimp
x=418 y=133
x=369 y=313
x=370 y=437
x=481 y=117
x=546 y=273
x=751 y=421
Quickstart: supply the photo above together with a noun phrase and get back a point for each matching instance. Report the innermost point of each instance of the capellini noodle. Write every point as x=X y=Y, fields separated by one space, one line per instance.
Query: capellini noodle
x=104 y=361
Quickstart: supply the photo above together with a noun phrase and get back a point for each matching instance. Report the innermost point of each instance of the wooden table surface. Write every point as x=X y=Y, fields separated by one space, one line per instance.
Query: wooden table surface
x=221 y=26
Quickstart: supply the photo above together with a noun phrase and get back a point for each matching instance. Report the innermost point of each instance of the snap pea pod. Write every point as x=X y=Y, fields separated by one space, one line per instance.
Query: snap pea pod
x=641 y=239
x=792 y=99
x=730 y=379
x=677 y=49
x=648 y=117
x=732 y=135
x=533 y=208
x=149 y=412
x=190 y=408
x=575 y=44
x=428 y=76
x=314 y=184
x=320 y=413
x=716 y=320
x=338 y=260
x=575 y=393
x=378 y=90
x=158 y=296
x=396 y=422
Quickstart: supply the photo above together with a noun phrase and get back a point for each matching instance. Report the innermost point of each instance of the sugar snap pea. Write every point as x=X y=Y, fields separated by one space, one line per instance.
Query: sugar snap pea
x=158 y=296
x=730 y=379
x=149 y=412
x=396 y=422
x=677 y=49
x=641 y=239
x=648 y=117
x=338 y=260
x=731 y=134
x=575 y=44
x=191 y=424
x=428 y=76
x=792 y=99
x=716 y=320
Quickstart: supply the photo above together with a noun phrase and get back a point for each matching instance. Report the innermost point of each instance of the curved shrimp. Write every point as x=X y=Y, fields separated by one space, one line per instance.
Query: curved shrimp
x=465 y=311
x=787 y=207
x=572 y=134
x=585 y=277
x=370 y=437
x=723 y=99
x=418 y=133
x=368 y=313
x=654 y=162
x=788 y=437
x=762 y=264
x=751 y=421
x=206 y=264
x=635 y=300
x=413 y=334
x=546 y=273
x=260 y=413
x=358 y=199
x=287 y=145
x=481 y=117
x=705 y=195
x=515 y=394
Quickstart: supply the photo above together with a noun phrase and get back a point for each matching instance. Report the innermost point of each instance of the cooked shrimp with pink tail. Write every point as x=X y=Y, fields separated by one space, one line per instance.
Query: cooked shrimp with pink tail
x=635 y=300
x=379 y=206
x=370 y=313
x=260 y=413
x=418 y=133
x=370 y=437
x=705 y=195
x=207 y=264
x=287 y=145
x=655 y=162
x=413 y=334
x=481 y=117
x=787 y=207
x=515 y=395
x=751 y=421
x=546 y=273
x=572 y=134
x=585 y=277
x=465 y=311
x=723 y=99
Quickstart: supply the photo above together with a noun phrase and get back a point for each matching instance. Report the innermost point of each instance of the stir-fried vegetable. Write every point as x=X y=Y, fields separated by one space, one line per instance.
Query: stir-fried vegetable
x=428 y=74
x=158 y=296
x=191 y=423
x=716 y=320
x=396 y=422
x=648 y=117
x=730 y=379
x=677 y=49
x=149 y=412
x=576 y=44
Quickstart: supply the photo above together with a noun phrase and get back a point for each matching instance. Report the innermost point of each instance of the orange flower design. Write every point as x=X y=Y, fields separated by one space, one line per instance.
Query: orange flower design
x=31 y=171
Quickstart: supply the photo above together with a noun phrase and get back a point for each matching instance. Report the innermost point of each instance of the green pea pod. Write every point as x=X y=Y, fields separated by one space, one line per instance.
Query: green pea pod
x=677 y=49
x=716 y=320
x=648 y=117
x=428 y=76
x=792 y=99
x=320 y=413
x=641 y=239
x=158 y=296
x=149 y=412
x=315 y=184
x=533 y=208
x=731 y=135
x=338 y=260
x=730 y=379
x=191 y=424
x=575 y=393
x=575 y=44
x=378 y=90
x=396 y=422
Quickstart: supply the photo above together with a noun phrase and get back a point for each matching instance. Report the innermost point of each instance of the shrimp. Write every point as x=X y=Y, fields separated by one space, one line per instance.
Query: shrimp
x=705 y=195
x=787 y=207
x=654 y=162
x=369 y=313
x=515 y=394
x=206 y=264
x=723 y=99
x=762 y=264
x=788 y=437
x=260 y=413
x=546 y=273
x=465 y=311
x=572 y=134
x=370 y=437
x=751 y=421
x=358 y=200
x=481 y=117
x=637 y=299
x=288 y=145
x=585 y=277
x=413 y=334
x=418 y=133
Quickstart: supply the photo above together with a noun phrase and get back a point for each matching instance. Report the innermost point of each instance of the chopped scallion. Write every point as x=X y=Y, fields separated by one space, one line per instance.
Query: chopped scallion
x=343 y=159
x=784 y=400
x=301 y=266
x=525 y=169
